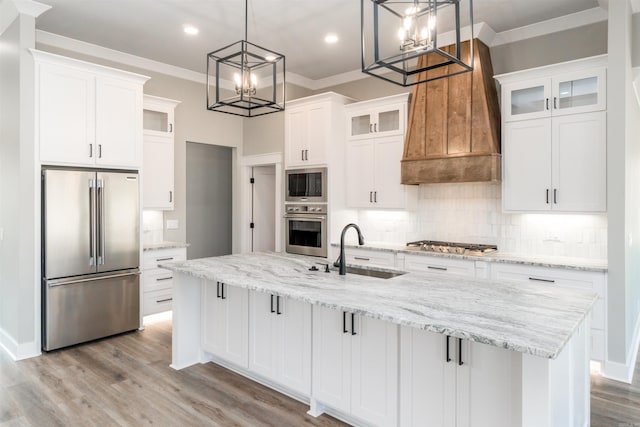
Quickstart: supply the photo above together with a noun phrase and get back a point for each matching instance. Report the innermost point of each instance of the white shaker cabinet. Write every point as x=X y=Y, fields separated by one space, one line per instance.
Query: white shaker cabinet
x=556 y=164
x=280 y=340
x=225 y=332
x=382 y=117
x=157 y=283
x=445 y=381
x=87 y=114
x=158 y=158
x=355 y=366
x=313 y=130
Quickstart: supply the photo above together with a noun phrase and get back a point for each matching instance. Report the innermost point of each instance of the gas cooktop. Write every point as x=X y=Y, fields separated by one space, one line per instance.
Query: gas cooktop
x=453 y=248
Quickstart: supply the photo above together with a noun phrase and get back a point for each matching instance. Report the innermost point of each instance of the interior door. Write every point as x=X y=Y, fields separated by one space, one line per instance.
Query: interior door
x=118 y=221
x=67 y=207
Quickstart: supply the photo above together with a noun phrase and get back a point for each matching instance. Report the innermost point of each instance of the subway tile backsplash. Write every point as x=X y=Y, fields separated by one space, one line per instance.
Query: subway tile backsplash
x=472 y=212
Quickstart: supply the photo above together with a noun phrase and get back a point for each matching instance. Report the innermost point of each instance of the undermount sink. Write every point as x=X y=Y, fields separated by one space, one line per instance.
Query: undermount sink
x=370 y=272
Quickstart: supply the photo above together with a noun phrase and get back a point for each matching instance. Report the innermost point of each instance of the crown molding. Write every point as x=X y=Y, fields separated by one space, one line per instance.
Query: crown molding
x=635 y=6
x=11 y=9
x=481 y=31
x=567 y=22
x=30 y=7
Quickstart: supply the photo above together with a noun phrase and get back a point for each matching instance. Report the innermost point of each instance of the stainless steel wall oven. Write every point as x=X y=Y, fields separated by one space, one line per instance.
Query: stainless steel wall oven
x=306 y=229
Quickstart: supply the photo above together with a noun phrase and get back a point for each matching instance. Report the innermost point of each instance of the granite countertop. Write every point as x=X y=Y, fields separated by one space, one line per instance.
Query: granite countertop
x=569 y=263
x=163 y=245
x=533 y=319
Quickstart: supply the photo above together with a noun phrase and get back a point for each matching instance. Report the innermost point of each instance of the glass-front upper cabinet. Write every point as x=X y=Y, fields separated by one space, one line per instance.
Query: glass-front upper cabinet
x=377 y=121
x=577 y=92
x=157 y=116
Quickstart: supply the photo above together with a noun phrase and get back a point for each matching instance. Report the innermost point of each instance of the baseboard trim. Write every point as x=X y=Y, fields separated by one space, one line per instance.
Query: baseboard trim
x=624 y=371
x=18 y=351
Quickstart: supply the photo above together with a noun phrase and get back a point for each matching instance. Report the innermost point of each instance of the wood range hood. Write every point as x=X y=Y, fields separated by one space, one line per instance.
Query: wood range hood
x=453 y=132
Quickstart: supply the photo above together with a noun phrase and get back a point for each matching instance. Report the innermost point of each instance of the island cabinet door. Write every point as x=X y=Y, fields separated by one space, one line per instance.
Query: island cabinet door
x=263 y=335
x=225 y=326
x=374 y=366
x=294 y=344
x=332 y=358
x=486 y=392
x=427 y=379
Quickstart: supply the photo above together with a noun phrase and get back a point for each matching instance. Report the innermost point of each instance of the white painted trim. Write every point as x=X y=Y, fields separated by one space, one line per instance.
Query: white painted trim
x=635 y=6
x=574 y=20
x=554 y=69
x=624 y=371
x=247 y=162
x=30 y=7
x=89 y=49
x=636 y=80
x=18 y=351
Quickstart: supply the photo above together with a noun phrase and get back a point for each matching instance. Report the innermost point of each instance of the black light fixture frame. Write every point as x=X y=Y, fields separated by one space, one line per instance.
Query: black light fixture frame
x=245 y=59
x=397 y=63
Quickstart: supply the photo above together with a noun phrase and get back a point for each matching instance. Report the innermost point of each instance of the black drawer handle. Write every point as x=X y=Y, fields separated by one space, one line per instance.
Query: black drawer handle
x=160 y=279
x=272 y=310
x=344 y=322
x=164 y=300
x=164 y=259
x=460 y=362
x=353 y=324
x=278 y=312
x=217 y=289
x=448 y=358
x=361 y=258
x=535 y=279
x=222 y=294
x=430 y=267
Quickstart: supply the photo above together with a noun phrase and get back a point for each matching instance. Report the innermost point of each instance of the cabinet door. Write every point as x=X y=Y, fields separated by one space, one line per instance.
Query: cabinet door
x=390 y=120
x=360 y=124
x=527 y=165
x=293 y=351
x=158 y=172
x=579 y=92
x=263 y=335
x=388 y=192
x=118 y=123
x=485 y=391
x=374 y=367
x=225 y=329
x=318 y=126
x=66 y=115
x=296 y=137
x=360 y=173
x=527 y=100
x=332 y=358
x=579 y=167
x=427 y=379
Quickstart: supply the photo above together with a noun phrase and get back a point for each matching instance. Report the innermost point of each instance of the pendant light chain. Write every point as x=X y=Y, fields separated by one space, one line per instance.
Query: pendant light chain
x=246 y=19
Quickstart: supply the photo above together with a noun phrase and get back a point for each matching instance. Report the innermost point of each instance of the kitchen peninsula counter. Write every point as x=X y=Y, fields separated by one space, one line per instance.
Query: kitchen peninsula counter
x=536 y=319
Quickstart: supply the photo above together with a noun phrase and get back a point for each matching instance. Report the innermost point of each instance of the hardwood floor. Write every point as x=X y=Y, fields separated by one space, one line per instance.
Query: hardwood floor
x=126 y=380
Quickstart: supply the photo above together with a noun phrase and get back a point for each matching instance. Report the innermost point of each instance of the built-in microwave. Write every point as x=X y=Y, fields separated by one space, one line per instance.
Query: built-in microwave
x=306 y=185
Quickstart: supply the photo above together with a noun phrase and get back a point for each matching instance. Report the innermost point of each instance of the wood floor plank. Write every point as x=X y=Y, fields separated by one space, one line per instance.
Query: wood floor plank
x=126 y=381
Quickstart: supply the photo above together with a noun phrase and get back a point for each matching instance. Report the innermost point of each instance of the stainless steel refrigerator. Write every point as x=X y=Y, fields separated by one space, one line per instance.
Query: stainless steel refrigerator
x=90 y=255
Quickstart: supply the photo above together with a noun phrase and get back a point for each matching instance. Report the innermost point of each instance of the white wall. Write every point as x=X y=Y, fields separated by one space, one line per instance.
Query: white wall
x=19 y=189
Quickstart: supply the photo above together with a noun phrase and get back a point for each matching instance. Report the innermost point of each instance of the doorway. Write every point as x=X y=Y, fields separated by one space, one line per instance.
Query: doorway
x=263 y=208
x=209 y=200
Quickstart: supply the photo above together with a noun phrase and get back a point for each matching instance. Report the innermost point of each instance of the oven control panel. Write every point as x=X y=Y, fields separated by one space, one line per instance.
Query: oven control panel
x=305 y=209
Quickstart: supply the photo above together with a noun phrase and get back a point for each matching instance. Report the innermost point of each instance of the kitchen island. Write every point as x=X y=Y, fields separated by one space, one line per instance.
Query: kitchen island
x=380 y=351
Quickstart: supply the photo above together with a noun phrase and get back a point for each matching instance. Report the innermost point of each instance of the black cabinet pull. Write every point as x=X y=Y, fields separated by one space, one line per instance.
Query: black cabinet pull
x=160 y=279
x=370 y=196
x=163 y=300
x=272 y=310
x=535 y=279
x=547 y=196
x=301 y=154
x=555 y=102
x=448 y=359
x=361 y=258
x=353 y=324
x=164 y=259
x=555 y=196
x=278 y=312
x=217 y=289
x=170 y=127
x=547 y=99
x=430 y=267
x=375 y=127
x=222 y=293
x=460 y=362
x=170 y=196
x=375 y=197
x=370 y=128
x=344 y=322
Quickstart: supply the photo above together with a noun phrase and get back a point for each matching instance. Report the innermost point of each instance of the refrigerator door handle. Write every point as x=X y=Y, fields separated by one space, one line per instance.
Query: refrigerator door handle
x=92 y=222
x=100 y=219
x=91 y=278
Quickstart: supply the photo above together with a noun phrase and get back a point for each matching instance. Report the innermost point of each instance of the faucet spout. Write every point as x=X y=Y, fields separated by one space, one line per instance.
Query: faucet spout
x=342 y=265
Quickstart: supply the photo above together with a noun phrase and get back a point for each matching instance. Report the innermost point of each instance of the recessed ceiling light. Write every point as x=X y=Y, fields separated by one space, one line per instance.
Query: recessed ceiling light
x=331 y=38
x=191 y=30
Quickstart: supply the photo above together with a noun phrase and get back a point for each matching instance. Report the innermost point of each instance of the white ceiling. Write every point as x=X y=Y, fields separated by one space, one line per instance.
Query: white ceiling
x=153 y=29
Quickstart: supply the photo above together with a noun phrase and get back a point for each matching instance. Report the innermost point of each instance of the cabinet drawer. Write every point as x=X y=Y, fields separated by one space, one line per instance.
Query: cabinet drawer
x=156 y=301
x=156 y=279
x=152 y=258
x=367 y=257
x=597 y=345
x=439 y=265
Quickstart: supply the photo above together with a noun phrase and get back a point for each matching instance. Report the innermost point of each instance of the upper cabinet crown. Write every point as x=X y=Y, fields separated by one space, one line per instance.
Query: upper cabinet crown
x=313 y=129
x=572 y=92
x=87 y=114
